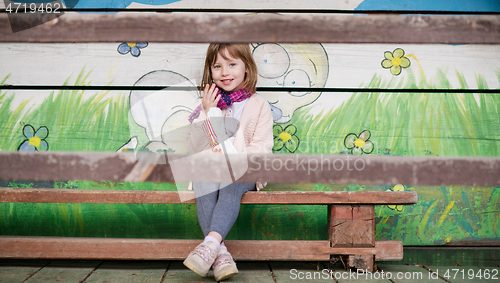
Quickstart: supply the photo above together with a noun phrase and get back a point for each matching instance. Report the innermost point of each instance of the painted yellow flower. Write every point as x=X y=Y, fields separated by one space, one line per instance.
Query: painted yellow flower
x=359 y=144
x=397 y=188
x=285 y=138
x=395 y=61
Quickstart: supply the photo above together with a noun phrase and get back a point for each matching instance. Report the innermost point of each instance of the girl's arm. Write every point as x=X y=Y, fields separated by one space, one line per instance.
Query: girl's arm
x=196 y=137
x=262 y=141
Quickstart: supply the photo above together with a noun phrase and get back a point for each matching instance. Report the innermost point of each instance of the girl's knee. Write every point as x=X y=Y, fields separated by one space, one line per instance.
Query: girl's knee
x=204 y=189
x=235 y=190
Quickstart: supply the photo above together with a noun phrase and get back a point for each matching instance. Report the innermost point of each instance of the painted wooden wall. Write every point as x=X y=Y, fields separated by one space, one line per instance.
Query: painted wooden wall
x=408 y=123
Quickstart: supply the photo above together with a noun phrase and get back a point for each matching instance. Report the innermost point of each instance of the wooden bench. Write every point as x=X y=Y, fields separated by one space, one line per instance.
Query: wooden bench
x=351 y=226
x=351 y=222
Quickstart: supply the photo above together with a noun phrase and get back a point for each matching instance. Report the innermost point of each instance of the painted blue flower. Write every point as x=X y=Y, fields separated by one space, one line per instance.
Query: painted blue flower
x=133 y=47
x=35 y=141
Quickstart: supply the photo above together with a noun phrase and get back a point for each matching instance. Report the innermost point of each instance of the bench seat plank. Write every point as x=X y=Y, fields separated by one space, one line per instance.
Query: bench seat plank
x=29 y=195
x=167 y=249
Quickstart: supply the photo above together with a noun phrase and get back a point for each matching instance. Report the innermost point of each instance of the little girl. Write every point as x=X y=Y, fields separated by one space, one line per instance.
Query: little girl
x=229 y=80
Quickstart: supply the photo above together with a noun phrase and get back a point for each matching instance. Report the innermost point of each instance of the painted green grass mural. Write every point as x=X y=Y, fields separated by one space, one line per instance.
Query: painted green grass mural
x=414 y=124
x=409 y=124
x=419 y=124
x=76 y=121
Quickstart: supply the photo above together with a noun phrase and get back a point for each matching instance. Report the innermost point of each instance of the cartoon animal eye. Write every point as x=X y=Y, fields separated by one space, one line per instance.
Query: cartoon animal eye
x=297 y=78
x=272 y=60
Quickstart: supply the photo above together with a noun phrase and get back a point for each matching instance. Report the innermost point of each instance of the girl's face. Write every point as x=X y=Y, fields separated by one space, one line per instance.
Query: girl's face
x=229 y=74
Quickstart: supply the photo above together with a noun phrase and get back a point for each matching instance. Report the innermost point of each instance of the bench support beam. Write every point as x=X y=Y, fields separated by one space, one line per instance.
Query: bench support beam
x=353 y=226
x=161 y=249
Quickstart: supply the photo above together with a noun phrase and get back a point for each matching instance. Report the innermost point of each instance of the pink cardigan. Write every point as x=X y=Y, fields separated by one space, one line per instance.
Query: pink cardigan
x=255 y=134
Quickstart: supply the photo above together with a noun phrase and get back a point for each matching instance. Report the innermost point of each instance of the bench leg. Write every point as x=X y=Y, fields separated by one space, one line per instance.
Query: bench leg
x=364 y=262
x=353 y=226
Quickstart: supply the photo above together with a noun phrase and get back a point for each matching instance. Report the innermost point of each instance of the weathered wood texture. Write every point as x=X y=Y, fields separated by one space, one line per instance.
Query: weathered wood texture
x=273 y=168
x=37 y=82
x=26 y=195
x=160 y=249
x=266 y=27
x=364 y=262
x=352 y=225
x=128 y=271
x=14 y=270
x=63 y=271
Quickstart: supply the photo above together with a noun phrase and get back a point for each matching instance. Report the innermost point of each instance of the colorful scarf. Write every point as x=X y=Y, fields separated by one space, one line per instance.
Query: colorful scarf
x=227 y=98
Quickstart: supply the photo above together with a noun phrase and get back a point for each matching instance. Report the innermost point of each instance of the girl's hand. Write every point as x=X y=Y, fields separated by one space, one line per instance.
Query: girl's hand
x=210 y=98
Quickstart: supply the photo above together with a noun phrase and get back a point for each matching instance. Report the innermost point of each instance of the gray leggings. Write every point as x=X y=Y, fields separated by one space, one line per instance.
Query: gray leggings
x=218 y=209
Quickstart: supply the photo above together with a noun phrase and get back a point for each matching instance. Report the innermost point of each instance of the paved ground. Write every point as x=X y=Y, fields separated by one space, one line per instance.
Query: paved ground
x=31 y=271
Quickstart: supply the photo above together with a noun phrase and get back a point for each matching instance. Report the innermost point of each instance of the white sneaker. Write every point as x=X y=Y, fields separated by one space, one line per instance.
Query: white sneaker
x=224 y=265
x=201 y=258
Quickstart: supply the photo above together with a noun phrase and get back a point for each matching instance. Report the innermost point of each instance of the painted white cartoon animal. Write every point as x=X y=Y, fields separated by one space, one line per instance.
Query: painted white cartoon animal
x=290 y=65
x=163 y=115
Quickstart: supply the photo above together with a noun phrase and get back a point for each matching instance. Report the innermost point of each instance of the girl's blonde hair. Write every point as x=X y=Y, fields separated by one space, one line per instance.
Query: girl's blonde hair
x=238 y=51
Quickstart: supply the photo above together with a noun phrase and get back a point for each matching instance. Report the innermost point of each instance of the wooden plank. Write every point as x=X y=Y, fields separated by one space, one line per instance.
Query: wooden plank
x=27 y=195
x=361 y=262
x=352 y=225
x=279 y=250
x=265 y=27
x=250 y=272
x=160 y=249
x=132 y=271
x=277 y=168
x=388 y=250
x=353 y=276
x=353 y=233
x=75 y=166
x=178 y=273
x=19 y=270
x=108 y=248
x=186 y=60
x=287 y=272
x=64 y=271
